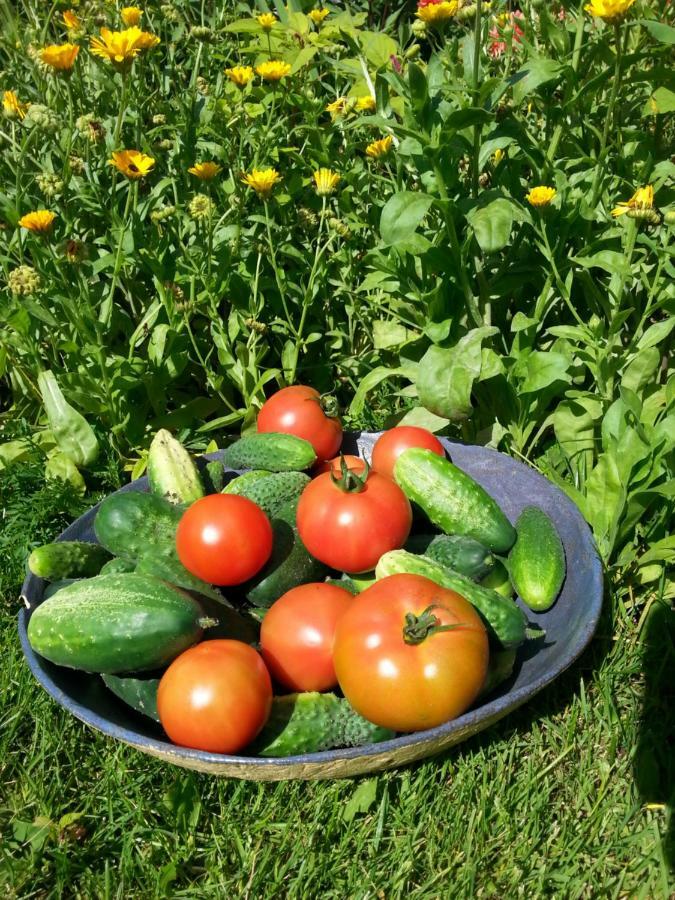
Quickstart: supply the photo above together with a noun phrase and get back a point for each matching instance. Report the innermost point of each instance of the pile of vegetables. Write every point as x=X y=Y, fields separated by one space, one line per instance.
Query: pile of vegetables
x=313 y=601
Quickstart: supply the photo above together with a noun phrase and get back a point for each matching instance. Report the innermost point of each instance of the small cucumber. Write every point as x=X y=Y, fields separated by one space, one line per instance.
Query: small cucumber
x=117 y=566
x=214 y=476
x=173 y=571
x=310 y=722
x=172 y=472
x=138 y=693
x=498 y=579
x=270 y=492
x=132 y=524
x=67 y=559
x=362 y=581
x=537 y=561
x=452 y=500
x=506 y=622
x=345 y=582
x=457 y=552
x=240 y=483
x=276 y=452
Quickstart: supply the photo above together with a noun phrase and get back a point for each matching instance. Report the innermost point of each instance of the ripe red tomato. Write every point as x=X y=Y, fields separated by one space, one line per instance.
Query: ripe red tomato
x=297 y=410
x=354 y=463
x=297 y=633
x=224 y=539
x=215 y=696
x=389 y=446
x=402 y=685
x=348 y=529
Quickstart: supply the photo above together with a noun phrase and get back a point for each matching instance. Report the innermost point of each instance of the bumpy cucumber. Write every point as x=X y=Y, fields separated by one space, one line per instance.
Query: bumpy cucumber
x=116 y=623
x=537 y=561
x=272 y=491
x=345 y=582
x=289 y=565
x=214 y=476
x=117 y=566
x=133 y=524
x=310 y=722
x=173 y=571
x=276 y=452
x=452 y=500
x=241 y=483
x=172 y=472
x=457 y=552
x=139 y=693
x=67 y=559
x=506 y=622
x=498 y=579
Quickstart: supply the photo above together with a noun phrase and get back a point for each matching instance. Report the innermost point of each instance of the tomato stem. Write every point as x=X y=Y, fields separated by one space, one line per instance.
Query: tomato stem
x=329 y=404
x=348 y=480
x=418 y=628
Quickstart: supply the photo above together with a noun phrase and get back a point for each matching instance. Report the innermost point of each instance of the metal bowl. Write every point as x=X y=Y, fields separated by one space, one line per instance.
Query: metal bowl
x=569 y=627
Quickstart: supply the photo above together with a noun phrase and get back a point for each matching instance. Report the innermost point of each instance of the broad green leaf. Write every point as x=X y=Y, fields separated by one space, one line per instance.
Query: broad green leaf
x=656 y=333
x=421 y=417
x=661 y=32
x=304 y=57
x=609 y=260
x=641 y=370
x=492 y=225
x=402 y=214
x=521 y=322
x=388 y=333
x=14 y=451
x=664 y=433
x=372 y=379
x=661 y=101
x=605 y=501
x=72 y=432
x=361 y=801
x=574 y=428
x=62 y=466
x=534 y=73
x=663 y=550
x=378 y=48
x=463 y=118
x=543 y=369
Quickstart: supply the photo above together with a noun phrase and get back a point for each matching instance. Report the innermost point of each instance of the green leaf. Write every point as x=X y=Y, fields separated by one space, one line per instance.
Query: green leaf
x=521 y=322
x=609 y=260
x=388 y=333
x=492 y=225
x=543 y=369
x=14 y=451
x=305 y=56
x=536 y=72
x=424 y=418
x=661 y=101
x=72 y=432
x=574 y=428
x=372 y=379
x=641 y=370
x=445 y=377
x=361 y=801
x=605 y=500
x=402 y=214
x=62 y=466
x=378 y=48
x=656 y=333
x=464 y=118
x=661 y=32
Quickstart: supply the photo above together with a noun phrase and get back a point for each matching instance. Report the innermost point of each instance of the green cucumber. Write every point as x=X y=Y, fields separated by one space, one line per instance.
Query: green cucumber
x=240 y=483
x=117 y=565
x=138 y=693
x=506 y=622
x=500 y=668
x=132 y=524
x=452 y=500
x=67 y=559
x=276 y=452
x=345 y=582
x=362 y=581
x=456 y=551
x=310 y=722
x=498 y=579
x=112 y=624
x=272 y=491
x=173 y=571
x=289 y=565
x=537 y=561
x=172 y=472
x=214 y=475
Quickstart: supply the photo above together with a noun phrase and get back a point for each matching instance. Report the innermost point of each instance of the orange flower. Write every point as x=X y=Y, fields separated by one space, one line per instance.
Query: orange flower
x=122 y=47
x=71 y=20
x=39 y=222
x=60 y=56
x=131 y=15
x=205 y=171
x=132 y=163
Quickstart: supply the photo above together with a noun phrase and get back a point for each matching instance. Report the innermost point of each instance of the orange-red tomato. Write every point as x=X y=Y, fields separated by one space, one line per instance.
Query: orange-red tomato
x=297 y=410
x=215 y=696
x=224 y=539
x=396 y=668
x=353 y=463
x=389 y=446
x=297 y=633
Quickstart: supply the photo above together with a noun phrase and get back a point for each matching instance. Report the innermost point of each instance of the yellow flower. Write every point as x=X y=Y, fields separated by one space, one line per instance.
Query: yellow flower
x=40 y=222
x=642 y=199
x=131 y=15
x=366 y=104
x=71 y=20
x=147 y=40
x=266 y=21
x=122 y=47
x=608 y=10
x=205 y=171
x=380 y=148
x=132 y=163
x=338 y=107
x=12 y=106
x=273 y=70
x=240 y=75
x=60 y=56
x=497 y=156
x=317 y=15
x=540 y=196
x=262 y=181
x=325 y=181
x=438 y=12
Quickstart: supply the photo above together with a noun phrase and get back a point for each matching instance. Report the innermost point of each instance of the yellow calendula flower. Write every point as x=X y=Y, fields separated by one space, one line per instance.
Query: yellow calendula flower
x=60 y=56
x=267 y=21
x=338 y=107
x=609 y=10
x=380 y=148
x=122 y=47
x=147 y=40
x=39 y=222
x=273 y=70
x=131 y=15
x=366 y=104
x=262 y=181
x=71 y=20
x=497 y=156
x=438 y=12
x=12 y=107
x=317 y=15
x=642 y=199
x=132 y=163
x=240 y=75
x=205 y=171
x=325 y=181
x=540 y=196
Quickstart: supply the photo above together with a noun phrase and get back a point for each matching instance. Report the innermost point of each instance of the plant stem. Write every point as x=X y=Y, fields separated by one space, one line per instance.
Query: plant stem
x=477 y=130
x=561 y=284
x=105 y=314
x=596 y=187
x=576 y=56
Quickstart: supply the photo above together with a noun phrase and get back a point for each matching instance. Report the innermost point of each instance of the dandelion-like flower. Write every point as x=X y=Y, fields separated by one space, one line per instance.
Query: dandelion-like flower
x=24 y=281
x=317 y=16
x=132 y=163
x=338 y=107
x=380 y=148
x=267 y=21
x=240 y=75
x=540 y=196
x=122 y=47
x=642 y=199
x=325 y=181
x=71 y=20
x=200 y=207
x=12 y=107
x=131 y=15
x=39 y=222
x=434 y=13
x=609 y=10
x=205 y=171
x=60 y=56
x=262 y=181
x=366 y=104
x=273 y=70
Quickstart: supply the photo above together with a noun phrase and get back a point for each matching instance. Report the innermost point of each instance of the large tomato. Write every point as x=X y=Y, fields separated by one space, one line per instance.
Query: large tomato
x=389 y=446
x=398 y=665
x=355 y=463
x=348 y=524
x=224 y=539
x=297 y=633
x=215 y=696
x=297 y=410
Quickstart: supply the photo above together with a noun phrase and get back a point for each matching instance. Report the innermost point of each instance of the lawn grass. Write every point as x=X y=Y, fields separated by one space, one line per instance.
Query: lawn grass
x=564 y=798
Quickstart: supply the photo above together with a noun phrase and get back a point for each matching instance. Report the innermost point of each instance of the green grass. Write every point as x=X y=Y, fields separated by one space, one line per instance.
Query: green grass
x=564 y=798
